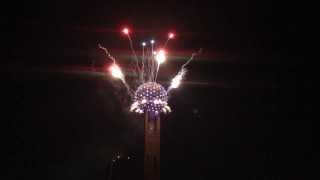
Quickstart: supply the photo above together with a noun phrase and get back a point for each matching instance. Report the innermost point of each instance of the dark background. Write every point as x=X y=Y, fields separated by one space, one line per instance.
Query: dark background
x=245 y=110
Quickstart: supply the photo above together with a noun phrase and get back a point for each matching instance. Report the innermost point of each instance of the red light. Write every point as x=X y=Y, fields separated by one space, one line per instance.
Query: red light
x=125 y=31
x=171 y=35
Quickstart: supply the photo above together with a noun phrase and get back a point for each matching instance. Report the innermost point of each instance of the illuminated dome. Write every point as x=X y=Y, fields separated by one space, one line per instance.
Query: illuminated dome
x=150 y=97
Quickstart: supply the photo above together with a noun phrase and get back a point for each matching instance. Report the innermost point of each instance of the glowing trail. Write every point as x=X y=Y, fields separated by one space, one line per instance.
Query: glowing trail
x=152 y=41
x=143 y=59
x=116 y=70
x=191 y=58
x=160 y=57
x=126 y=31
x=170 y=36
x=107 y=53
x=176 y=81
x=117 y=73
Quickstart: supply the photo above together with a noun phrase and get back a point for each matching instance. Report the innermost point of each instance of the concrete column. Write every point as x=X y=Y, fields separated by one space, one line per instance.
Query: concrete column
x=152 y=147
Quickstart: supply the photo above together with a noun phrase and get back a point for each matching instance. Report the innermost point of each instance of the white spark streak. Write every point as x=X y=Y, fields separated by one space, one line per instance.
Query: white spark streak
x=107 y=53
x=116 y=71
x=176 y=81
x=161 y=56
x=191 y=58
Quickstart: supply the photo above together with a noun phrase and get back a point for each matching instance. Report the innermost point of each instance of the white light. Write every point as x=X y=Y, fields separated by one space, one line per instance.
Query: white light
x=160 y=56
x=171 y=35
x=176 y=81
x=116 y=71
x=125 y=31
x=152 y=41
x=144 y=44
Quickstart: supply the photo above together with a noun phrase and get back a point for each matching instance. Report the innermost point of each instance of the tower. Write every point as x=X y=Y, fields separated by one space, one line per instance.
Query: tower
x=152 y=147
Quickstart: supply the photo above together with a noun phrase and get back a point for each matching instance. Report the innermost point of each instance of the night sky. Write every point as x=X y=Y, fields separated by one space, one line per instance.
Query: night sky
x=244 y=111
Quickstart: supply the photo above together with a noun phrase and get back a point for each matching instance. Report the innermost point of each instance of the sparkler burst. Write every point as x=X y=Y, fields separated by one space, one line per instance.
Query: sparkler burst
x=160 y=56
x=149 y=96
x=116 y=71
x=176 y=81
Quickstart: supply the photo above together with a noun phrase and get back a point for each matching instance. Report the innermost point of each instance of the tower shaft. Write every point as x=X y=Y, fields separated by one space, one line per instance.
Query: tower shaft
x=152 y=147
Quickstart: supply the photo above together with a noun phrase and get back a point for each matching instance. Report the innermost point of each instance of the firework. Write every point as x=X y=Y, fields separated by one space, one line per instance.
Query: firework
x=160 y=56
x=171 y=35
x=149 y=96
x=176 y=81
x=116 y=71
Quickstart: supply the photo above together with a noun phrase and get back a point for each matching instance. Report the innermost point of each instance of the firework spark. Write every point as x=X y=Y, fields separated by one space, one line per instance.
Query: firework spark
x=161 y=56
x=149 y=96
x=171 y=35
x=125 y=31
x=176 y=81
x=116 y=71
